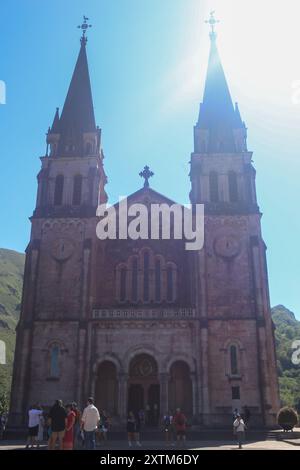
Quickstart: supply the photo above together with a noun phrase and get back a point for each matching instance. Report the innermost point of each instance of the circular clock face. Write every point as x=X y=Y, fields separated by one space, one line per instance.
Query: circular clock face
x=62 y=249
x=227 y=246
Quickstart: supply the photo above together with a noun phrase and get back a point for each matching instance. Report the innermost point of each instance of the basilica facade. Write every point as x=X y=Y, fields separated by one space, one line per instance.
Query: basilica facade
x=147 y=324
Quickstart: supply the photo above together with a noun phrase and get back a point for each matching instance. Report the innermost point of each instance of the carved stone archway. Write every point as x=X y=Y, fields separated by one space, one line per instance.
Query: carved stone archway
x=144 y=388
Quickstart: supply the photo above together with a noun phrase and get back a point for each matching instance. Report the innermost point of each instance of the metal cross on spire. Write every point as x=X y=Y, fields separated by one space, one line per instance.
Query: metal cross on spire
x=146 y=174
x=212 y=22
x=84 y=27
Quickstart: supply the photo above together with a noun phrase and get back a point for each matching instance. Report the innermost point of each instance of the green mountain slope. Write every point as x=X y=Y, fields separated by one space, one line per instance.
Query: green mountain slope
x=287 y=331
x=11 y=281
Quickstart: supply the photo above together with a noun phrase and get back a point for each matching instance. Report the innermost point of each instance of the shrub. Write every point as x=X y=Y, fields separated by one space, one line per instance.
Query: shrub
x=287 y=418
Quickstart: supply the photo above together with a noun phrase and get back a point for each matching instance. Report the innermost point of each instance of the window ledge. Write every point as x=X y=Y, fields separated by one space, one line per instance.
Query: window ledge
x=234 y=377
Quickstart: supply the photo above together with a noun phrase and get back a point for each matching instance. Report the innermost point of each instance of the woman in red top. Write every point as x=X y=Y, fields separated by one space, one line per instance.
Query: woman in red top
x=179 y=421
x=68 y=441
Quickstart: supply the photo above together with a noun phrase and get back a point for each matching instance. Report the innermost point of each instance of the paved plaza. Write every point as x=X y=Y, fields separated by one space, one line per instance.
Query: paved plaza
x=155 y=445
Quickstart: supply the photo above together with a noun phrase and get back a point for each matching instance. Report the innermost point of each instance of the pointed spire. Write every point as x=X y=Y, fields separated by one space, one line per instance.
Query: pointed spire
x=77 y=116
x=78 y=111
x=217 y=113
x=55 y=125
x=239 y=123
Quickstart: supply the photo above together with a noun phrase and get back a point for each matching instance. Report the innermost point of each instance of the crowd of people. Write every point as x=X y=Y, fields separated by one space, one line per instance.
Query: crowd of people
x=173 y=427
x=66 y=428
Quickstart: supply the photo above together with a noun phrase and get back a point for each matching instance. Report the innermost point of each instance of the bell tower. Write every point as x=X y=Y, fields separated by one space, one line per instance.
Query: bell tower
x=52 y=329
x=72 y=178
x=236 y=325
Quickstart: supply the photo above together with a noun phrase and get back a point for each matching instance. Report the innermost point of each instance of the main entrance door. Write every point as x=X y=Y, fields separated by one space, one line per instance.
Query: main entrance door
x=136 y=401
x=144 y=389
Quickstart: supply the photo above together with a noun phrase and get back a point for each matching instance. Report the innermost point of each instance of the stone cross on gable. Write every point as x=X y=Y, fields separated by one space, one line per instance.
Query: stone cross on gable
x=146 y=174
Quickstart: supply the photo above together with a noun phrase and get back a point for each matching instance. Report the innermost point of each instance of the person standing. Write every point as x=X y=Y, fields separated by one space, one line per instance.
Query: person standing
x=68 y=442
x=89 y=424
x=130 y=428
x=33 y=425
x=40 y=436
x=3 y=420
x=58 y=423
x=239 y=429
x=137 y=432
x=180 y=422
x=167 y=427
x=77 y=427
x=103 y=426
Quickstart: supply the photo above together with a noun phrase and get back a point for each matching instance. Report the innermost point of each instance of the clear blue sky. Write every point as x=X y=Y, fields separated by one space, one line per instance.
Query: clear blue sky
x=147 y=64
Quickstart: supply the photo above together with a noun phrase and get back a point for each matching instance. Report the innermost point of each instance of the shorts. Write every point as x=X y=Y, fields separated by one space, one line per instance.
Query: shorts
x=57 y=434
x=181 y=433
x=33 y=431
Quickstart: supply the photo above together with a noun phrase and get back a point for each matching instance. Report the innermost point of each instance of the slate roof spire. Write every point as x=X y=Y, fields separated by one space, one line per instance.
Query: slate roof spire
x=77 y=119
x=78 y=111
x=217 y=113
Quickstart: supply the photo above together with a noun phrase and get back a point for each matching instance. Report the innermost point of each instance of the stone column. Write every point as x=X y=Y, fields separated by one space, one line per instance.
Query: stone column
x=204 y=367
x=194 y=394
x=87 y=246
x=164 y=398
x=264 y=358
x=80 y=362
x=123 y=393
x=20 y=394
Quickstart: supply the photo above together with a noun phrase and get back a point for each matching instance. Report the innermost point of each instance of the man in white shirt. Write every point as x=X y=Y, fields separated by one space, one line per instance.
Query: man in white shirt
x=89 y=424
x=33 y=425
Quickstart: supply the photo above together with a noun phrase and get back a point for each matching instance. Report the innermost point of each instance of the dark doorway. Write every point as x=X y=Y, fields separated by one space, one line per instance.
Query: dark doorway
x=107 y=388
x=153 y=404
x=136 y=398
x=143 y=389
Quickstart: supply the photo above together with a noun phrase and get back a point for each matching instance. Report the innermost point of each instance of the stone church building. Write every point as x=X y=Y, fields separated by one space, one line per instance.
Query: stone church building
x=146 y=324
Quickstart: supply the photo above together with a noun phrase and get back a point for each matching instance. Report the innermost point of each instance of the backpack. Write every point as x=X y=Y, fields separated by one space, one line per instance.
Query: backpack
x=167 y=421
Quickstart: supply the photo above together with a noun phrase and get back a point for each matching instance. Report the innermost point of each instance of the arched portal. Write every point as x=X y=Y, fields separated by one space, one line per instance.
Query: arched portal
x=144 y=388
x=180 y=388
x=107 y=388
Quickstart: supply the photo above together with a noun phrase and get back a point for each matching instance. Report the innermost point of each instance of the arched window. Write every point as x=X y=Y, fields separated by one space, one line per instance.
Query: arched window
x=234 y=369
x=213 y=187
x=88 y=148
x=59 y=190
x=146 y=276
x=157 y=280
x=233 y=187
x=44 y=191
x=77 y=190
x=170 y=284
x=54 y=361
x=123 y=278
x=134 y=280
x=53 y=148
